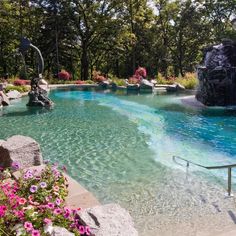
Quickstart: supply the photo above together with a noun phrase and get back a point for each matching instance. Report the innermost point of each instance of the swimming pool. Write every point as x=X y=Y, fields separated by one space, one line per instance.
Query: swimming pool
x=120 y=147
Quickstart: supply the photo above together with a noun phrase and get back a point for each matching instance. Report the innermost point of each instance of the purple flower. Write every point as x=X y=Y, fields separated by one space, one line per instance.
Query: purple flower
x=28 y=175
x=64 y=168
x=33 y=189
x=43 y=185
x=15 y=165
x=67 y=215
x=58 y=201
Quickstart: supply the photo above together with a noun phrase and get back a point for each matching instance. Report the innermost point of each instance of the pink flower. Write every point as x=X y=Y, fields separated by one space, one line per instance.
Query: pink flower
x=50 y=205
x=67 y=209
x=28 y=226
x=15 y=165
x=141 y=71
x=19 y=214
x=22 y=201
x=2 y=210
x=35 y=233
x=56 y=188
x=67 y=215
x=47 y=221
x=82 y=229
x=57 y=211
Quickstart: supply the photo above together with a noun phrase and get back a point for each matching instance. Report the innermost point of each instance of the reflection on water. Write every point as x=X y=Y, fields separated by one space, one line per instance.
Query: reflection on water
x=120 y=147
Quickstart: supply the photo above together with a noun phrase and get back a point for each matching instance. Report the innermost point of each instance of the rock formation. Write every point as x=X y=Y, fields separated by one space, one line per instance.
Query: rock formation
x=20 y=149
x=217 y=76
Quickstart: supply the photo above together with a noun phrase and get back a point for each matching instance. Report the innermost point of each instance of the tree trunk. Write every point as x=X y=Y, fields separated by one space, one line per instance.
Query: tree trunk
x=84 y=63
x=117 y=68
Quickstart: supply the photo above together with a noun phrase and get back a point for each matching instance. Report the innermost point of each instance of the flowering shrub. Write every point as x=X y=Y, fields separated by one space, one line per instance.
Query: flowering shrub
x=21 y=89
x=134 y=80
x=20 y=82
x=139 y=74
x=189 y=81
x=64 y=75
x=80 y=82
x=35 y=203
x=141 y=71
x=97 y=77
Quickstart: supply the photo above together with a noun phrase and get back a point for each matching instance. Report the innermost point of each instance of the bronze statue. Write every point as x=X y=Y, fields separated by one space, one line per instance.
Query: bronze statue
x=37 y=96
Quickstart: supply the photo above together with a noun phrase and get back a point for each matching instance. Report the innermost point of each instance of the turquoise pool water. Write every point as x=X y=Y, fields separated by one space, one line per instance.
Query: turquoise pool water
x=121 y=146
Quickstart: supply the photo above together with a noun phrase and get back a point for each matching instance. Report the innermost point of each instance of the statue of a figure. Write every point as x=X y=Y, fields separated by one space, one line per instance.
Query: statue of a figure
x=37 y=96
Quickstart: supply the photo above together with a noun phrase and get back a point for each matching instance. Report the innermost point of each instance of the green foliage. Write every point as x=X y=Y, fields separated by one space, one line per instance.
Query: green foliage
x=21 y=89
x=189 y=80
x=57 y=81
x=119 y=82
x=89 y=82
x=112 y=36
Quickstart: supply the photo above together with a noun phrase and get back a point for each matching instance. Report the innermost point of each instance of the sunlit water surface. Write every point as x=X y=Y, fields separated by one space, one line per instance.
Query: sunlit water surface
x=120 y=147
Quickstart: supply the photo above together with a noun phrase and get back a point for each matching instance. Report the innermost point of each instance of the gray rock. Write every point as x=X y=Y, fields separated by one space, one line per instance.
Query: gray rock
x=133 y=87
x=21 y=149
x=5 y=100
x=104 y=84
x=180 y=87
x=1 y=99
x=14 y=94
x=146 y=85
x=175 y=87
x=171 y=88
x=109 y=220
x=59 y=231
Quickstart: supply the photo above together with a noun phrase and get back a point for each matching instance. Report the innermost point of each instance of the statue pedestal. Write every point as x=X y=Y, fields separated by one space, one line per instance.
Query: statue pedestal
x=39 y=98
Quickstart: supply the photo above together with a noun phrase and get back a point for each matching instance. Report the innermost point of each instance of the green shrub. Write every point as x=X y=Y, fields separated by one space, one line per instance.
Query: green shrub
x=189 y=81
x=57 y=81
x=162 y=80
x=89 y=81
x=21 y=89
x=119 y=82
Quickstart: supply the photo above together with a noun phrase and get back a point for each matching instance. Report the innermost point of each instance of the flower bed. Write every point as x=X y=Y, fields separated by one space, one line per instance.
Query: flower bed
x=34 y=203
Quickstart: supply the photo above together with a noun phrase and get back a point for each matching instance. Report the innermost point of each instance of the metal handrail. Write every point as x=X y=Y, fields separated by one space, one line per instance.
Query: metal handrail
x=229 y=167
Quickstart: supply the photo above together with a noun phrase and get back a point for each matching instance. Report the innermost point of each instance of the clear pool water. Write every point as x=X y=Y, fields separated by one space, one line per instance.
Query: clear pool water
x=121 y=146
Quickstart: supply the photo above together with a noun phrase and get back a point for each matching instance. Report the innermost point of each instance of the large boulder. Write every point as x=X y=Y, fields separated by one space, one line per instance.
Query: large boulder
x=59 y=231
x=4 y=99
x=20 y=149
x=109 y=220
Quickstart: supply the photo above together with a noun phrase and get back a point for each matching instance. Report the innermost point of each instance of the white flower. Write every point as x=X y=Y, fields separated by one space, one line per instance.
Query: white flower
x=19 y=230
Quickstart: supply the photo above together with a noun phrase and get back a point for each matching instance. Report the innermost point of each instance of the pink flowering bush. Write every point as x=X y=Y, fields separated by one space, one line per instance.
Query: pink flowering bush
x=97 y=77
x=35 y=203
x=139 y=74
x=64 y=75
x=20 y=82
x=141 y=71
